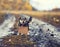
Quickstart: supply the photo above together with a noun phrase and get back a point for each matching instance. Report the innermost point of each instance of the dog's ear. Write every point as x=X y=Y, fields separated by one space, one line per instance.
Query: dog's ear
x=19 y=18
x=30 y=19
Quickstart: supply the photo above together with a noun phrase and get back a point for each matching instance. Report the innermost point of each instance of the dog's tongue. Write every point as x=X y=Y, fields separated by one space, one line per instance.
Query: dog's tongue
x=45 y=4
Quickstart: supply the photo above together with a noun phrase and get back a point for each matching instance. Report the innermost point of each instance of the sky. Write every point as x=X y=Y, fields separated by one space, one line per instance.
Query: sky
x=45 y=4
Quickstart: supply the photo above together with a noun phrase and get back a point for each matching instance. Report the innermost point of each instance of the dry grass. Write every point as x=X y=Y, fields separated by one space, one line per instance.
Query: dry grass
x=15 y=5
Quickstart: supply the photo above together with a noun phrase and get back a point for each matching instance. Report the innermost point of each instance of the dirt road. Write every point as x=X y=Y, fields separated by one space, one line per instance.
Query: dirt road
x=32 y=13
